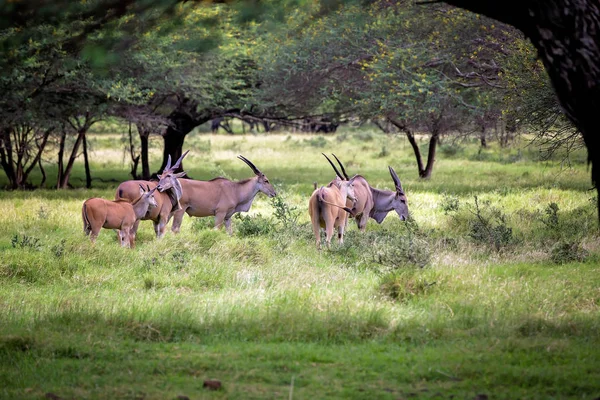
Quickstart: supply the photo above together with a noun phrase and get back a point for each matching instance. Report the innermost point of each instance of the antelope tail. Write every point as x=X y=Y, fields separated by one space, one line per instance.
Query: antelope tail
x=321 y=198
x=86 y=221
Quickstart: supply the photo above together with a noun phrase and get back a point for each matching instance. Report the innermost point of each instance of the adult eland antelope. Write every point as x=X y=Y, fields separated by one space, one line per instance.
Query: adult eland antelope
x=375 y=203
x=119 y=214
x=167 y=197
x=219 y=196
x=327 y=207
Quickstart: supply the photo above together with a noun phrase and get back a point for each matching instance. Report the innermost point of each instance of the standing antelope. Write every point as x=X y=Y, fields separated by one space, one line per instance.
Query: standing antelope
x=219 y=197
x=327 y=207
x=121 y=215
x=167 y=198
x=375 y=203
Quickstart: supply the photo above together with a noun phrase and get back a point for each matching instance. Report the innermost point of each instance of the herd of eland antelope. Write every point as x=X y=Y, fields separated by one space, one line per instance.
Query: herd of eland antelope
x=172 y=196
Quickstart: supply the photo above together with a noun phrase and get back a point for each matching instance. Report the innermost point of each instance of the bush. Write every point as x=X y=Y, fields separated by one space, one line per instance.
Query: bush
x=253 y=226
x=384 y=152
x=286 y=215
x=392 y=249
x=363 y=136
x=24 y=241
x=449 y=204
x=317 y=141
x=449 y=150
x=200 y=224
x=567 y=251
x=404 y=285
x=490 y=227
x=551 y=218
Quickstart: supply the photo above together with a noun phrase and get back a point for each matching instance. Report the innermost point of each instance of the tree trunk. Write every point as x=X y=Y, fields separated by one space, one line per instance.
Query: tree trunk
x=144 y=155
x=88 y=175
x=6 y=157
x=63 y=184
x=416 y=150
x=181 y=124
x=43 y=172
x=426 y=173
x=415 y=146
x=38 y=157
x=61 y=152
x=566 y=34
x=483 y=138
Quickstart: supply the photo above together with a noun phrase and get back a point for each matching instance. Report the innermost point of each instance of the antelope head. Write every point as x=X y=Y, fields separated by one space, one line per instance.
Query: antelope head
x=345 y=183
x=169 y=180
x=148 y=195
x=400 y=202
x=263 y=182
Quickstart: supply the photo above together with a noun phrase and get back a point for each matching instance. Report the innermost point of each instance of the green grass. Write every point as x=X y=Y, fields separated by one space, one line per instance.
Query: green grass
x=433 y=308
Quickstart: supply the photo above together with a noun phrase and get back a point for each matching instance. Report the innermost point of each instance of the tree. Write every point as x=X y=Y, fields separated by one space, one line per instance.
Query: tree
x=566 y=34
x=391 y=61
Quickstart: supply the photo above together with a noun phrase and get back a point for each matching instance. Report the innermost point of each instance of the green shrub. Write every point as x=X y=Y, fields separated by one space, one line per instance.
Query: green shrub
x=286 y=215
x=403 y=286
x=567 y=251
x=551 y=218
x=363 y=136
x=391 y=249
x=449 y=204
x=25 y=241
x=490 y=226
x=384 y=152
x=200 y=224
x=449 y=150
x=257 y=225
x=317 y=141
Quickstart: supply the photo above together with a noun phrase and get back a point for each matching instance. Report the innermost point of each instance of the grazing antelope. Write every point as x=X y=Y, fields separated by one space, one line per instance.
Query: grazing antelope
x=219 y=197
x=327 y=207
x=120 y=214
x=167 y=197
x=376 y=203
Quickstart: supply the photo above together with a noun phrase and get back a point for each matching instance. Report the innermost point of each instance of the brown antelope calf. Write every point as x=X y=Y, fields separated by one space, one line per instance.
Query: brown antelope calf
x=327 y=208
x=219 y=197
x=121 y=215
x=167 y=199
x=375 y=203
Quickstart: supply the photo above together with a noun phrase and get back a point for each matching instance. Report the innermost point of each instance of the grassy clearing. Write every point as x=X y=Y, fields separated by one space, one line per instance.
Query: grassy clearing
x=499 y=298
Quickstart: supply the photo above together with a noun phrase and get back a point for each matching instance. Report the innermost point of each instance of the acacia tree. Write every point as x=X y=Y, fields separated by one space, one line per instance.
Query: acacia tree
x=566 y=34
x=423 y=72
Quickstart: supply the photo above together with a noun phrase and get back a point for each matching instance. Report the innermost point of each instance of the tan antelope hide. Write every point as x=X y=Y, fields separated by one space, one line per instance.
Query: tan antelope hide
x=327 y=207
x=120 y=215
x=375 y=203
x=167 y=199
x=220 y=197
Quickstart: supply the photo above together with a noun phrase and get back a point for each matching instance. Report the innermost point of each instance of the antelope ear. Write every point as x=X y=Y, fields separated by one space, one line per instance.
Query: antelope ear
x=142 y=191
x=180 y=174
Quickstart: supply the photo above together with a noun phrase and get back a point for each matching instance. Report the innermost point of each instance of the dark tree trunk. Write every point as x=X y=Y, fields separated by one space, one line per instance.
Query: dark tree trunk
x=6 y=158
x=416 y=150
x=43 y=172
x=66 y=174
x=38 y=157
x=426 y=173
x=88 y=175
x=144 y=154
x=566 y=34
x=181 y=123
x=483 y=138
x=61 y=152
